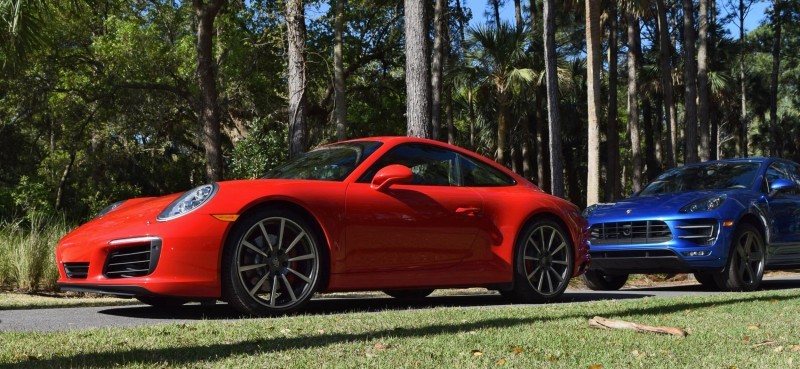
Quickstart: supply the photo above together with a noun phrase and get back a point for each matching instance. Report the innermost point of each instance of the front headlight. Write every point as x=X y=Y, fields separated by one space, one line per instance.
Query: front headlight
x=706 y=204
x=188 y=202
x=110 y=208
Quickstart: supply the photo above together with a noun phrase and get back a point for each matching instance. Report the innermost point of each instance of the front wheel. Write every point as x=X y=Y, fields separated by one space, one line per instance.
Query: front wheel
x=543 y=262
x=706 y=279
x=271 y=263
x=745 y=266
x=599 y=281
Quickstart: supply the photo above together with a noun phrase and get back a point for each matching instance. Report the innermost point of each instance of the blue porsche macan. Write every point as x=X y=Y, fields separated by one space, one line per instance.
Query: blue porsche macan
x=725 y=221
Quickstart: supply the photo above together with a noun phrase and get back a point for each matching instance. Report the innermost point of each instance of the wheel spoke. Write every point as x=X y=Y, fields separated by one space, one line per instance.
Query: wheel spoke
x=541 y=281
x=549 y=282
x=245 y=268
x=750 y=273
x=749 y=245
x=274 y=288
x=254 y=248
x=280 y=234
x=295 y=241
x=302 y=257
x=530 y=276
x=552 y=237
x=741 y=251
x=288 y=287
x=531 y=258
x=541 y=232
x=306 y=279
x=558 y=276
x=561 y=246
x=560 y=262
x=265 y=234
x=535 y=246
x=258 y=285
x=742 y=269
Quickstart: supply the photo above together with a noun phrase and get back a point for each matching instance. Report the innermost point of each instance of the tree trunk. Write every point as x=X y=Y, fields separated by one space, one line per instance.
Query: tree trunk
x=702 y=84
x=542 y=153
x=665 y=64
x=649 y=140
x=206 y=78
x=340 y=101
x=471 y=113
x=593 y=51
x=776 y=66
x=418 y=87
x=296 y=34
x=554 y=121
x=518 y=14
x=613 y=188
x=504 y=105
x=690 y=79
x=634 y=50
x=437 y=67
x=496 y=12
x=742 y=84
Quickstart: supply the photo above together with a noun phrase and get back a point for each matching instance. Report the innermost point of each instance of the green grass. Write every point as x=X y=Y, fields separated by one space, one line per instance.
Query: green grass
x=724 y=330
x=12 y=301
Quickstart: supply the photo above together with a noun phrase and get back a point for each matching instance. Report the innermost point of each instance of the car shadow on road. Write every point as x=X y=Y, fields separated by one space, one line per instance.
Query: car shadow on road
x=344 y=305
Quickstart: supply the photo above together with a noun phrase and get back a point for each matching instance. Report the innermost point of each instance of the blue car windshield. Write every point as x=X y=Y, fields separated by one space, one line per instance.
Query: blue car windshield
x=712 y=176
x=328 y=163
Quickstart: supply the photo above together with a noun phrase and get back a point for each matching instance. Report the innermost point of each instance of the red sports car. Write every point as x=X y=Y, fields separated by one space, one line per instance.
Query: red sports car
x=397 y=214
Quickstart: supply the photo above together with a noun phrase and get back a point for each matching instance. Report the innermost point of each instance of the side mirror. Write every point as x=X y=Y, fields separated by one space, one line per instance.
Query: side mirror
x=391 y=174
x=781 y=185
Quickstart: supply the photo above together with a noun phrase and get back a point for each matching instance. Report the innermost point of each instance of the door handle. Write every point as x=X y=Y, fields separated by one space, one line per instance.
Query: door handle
x=470 y=212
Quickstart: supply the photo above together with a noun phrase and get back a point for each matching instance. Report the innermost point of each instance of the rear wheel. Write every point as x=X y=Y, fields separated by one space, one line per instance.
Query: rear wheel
x=271 y=264
x=162 y=301
x=409 y=294
x=599 y=281
x=745 y=266
x=543 y=262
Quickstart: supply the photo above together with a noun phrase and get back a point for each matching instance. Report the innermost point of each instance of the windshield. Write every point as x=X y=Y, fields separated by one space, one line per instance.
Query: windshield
x=329 y=163
x=713 y=176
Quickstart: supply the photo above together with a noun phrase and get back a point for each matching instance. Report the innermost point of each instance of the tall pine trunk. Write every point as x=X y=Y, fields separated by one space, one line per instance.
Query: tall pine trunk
x=776 y=66
x=593 y=51
x=296 y=34
x=634 y=50
x=340 y=101
x=613 y=185
x=690 y=79
x=206 y=78
x=437 y=67
x=518 y=14
x=554 y=121
x=703 y=107
x=742 y=84
x=418 y=87
x=665 y=64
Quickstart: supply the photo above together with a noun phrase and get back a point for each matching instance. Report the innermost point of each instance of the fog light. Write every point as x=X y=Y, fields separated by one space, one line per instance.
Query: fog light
x=695 y=253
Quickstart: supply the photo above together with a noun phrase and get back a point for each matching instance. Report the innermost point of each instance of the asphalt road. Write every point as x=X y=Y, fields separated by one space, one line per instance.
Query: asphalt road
x=136 y=315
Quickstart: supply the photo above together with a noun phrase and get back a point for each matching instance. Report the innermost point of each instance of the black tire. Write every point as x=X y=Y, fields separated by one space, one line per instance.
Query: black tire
x=409 y=294
x=544 y=254
x=599 y=281
x=165 y=302
x=272 y=263
x=745 y=266
x=707 y=280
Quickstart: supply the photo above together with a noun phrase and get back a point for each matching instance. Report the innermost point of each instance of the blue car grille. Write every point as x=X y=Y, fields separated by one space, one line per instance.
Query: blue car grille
x=634 y=232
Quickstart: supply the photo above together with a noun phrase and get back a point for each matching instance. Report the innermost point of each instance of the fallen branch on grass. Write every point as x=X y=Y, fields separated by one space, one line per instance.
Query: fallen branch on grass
x=603 y=323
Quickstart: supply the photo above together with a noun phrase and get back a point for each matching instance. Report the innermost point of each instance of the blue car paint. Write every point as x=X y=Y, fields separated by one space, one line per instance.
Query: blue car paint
x=752 y=204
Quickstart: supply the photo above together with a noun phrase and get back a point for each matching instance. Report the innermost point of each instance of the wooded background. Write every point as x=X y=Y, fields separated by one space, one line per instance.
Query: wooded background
x=102 y=100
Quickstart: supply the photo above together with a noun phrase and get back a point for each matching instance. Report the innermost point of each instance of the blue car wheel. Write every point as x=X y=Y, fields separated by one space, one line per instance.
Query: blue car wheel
x=745 y=266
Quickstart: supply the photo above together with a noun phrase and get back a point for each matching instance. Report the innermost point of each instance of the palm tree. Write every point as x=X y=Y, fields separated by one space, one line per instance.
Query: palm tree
x=20 y=21
x=498 y=52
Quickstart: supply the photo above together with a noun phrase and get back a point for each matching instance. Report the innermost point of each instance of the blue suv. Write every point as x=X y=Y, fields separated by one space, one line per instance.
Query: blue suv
x=726 y=221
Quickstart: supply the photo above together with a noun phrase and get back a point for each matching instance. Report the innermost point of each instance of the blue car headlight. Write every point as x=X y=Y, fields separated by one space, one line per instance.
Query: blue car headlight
x=706 y=204
x=188 y=202
x=110 y=208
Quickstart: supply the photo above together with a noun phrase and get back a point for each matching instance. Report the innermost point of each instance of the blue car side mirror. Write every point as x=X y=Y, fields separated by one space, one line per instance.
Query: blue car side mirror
x=781 y=185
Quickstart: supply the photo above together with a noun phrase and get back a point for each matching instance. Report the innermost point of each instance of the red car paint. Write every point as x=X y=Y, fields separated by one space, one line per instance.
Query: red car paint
x=404 y=236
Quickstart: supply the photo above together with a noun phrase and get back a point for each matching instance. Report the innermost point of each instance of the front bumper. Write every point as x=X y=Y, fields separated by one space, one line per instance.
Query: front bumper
x=137 y=256
x=682 y=252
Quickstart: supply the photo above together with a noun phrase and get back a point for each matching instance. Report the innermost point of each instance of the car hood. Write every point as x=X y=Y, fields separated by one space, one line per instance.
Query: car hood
x=661 y=204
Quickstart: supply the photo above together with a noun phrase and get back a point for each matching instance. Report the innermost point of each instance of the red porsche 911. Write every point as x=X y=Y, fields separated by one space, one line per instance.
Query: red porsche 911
x=397 y=214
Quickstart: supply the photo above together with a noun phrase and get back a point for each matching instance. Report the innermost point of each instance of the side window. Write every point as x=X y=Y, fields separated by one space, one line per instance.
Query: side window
x=477 y=174
x=432 y=166
x=777 y=170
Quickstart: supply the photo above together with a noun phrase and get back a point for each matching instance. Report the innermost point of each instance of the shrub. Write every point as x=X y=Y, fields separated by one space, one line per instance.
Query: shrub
x=27 y=258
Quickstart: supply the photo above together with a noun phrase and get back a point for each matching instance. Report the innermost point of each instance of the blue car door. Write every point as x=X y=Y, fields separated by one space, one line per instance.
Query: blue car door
x=785 y=216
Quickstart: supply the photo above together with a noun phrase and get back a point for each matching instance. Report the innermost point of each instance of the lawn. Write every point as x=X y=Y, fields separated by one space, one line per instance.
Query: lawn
x=745 y=330
x=9 y=301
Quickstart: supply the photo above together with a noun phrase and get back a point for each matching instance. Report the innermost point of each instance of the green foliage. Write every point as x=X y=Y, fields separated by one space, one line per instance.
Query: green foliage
x=262 y=150
x=27 y=259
